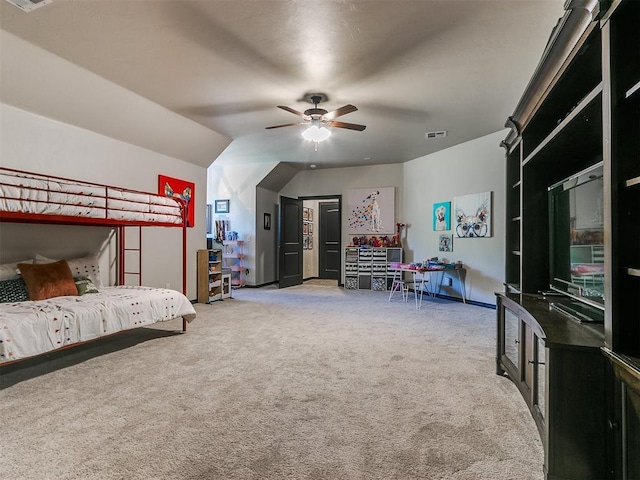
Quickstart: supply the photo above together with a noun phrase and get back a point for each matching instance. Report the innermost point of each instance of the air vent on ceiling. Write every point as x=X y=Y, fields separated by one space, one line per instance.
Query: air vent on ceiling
x=440 y=134
x=29 y=5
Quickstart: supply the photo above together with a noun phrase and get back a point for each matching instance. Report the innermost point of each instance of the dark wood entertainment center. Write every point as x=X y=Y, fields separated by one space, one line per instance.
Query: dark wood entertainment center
x=580 y=380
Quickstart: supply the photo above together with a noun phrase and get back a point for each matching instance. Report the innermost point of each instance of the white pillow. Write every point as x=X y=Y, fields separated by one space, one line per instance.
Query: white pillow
x=9 y=271
x=88 y=267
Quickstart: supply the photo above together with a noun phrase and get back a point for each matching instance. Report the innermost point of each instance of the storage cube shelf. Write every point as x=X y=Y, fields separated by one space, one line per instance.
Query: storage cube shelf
x=369 y=268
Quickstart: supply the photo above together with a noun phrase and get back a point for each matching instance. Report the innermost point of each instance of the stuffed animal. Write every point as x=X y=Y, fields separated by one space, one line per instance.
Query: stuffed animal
x=396 y=236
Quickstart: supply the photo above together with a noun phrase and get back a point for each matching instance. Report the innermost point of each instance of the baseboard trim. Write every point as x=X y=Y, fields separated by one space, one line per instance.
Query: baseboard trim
x=261 y=285
x=458 y=299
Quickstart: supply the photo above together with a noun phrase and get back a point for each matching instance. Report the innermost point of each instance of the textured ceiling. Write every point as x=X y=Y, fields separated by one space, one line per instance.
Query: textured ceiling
x=409 y=66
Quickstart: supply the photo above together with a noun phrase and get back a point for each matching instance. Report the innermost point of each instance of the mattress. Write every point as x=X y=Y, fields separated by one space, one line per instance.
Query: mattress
x=39 y=194
x=35 y=327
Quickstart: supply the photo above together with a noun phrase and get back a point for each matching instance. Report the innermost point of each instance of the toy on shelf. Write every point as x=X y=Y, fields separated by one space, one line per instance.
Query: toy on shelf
x=375 y=241
x=359 y=241
x=396 y=237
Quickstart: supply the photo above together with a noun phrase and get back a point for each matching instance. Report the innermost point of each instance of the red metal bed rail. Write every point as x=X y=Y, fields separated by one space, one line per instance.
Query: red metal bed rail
x=53 y=218
x=97 y=200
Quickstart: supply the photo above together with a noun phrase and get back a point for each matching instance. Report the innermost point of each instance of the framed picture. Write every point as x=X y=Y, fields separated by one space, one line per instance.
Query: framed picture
x=305 y=229
x=473 y=215
x=267 y=221
x=310 y=215
x=310 y=243
x=445 y=243
x=311 y=229
x=305 y=242
x=371 y=210
x=182 y=189
x=442 y=216
x=305 y=213
x=222 y=206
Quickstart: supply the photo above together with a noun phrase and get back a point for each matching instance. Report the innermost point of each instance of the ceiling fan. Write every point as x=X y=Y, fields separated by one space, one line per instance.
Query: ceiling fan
x=319 y=116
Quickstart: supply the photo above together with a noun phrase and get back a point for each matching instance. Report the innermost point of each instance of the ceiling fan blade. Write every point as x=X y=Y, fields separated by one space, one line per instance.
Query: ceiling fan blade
x=339 y=112
x=285 y=125
x=291 y=110
x=350 y=126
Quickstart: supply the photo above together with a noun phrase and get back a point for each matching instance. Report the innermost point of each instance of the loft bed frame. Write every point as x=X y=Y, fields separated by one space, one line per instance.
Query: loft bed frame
x=34 y=198
x=27 y=197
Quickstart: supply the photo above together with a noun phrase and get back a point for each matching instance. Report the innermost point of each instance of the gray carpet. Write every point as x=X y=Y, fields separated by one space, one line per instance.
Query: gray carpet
x=310 y=382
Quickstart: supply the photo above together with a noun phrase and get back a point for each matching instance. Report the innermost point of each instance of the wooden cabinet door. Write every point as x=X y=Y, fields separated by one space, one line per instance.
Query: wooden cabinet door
x=527 y=358
x=511 y=337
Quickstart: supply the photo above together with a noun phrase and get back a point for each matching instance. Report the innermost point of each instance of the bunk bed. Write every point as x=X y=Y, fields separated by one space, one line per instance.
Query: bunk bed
x=35 y=323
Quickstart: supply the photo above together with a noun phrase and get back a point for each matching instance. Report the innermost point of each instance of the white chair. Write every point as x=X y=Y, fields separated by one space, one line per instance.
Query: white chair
x=420 y=287
x=399 y=285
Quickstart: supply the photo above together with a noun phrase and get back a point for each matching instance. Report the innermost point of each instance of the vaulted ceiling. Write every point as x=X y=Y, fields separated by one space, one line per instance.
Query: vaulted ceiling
x=410 y=67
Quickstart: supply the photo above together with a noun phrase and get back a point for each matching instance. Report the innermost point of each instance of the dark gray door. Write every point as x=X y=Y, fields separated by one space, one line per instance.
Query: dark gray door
x=290 y=244
x=329 y=245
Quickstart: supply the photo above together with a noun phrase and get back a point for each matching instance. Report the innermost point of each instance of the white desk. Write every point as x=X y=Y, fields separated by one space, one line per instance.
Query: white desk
x=422 y=277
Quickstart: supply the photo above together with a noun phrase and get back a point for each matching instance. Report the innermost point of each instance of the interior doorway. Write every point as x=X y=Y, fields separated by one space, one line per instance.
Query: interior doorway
x=322 y=236
x=329 y=244
x=290 y=262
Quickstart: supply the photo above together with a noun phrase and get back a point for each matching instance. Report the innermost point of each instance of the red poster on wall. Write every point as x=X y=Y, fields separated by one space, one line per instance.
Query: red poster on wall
x=176 y=188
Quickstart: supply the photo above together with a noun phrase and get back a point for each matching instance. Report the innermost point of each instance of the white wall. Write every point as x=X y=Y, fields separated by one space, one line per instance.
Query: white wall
x=35 y=80
x=266 y=258
x=237 y=182
x=472 y=167
x=38 y=144
x=338 y=181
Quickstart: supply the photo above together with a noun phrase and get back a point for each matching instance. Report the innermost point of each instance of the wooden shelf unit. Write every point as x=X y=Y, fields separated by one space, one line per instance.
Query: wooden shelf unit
x=557 y=365
x=621 y=34
x=581 y=108
x=209 y=269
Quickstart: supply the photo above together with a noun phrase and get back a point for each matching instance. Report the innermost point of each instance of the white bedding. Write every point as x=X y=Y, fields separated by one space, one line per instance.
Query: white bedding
x=35 y=327
x=44 y=195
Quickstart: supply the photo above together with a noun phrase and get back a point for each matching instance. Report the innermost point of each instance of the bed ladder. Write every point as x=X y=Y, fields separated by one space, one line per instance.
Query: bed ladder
x=127 y=250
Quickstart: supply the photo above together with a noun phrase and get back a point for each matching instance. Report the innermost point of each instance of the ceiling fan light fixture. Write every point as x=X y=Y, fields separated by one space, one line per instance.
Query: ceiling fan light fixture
x=316 y=134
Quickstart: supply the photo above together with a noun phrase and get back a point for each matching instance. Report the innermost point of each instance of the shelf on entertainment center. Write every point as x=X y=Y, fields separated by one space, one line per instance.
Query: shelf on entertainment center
x=579 y=75
x=632 y=90
x=559 y=330
x=512 y=288
x=578 y=134
x=632 y=182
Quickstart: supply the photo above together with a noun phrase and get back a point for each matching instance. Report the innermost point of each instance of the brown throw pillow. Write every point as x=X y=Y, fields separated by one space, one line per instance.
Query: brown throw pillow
x=48 y=280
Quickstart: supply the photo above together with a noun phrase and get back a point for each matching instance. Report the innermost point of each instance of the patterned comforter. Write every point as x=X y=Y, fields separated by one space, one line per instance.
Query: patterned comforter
x=35 y=327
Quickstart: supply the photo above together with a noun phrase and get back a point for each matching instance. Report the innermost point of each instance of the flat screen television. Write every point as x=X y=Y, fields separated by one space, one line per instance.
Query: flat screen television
x=576 y=241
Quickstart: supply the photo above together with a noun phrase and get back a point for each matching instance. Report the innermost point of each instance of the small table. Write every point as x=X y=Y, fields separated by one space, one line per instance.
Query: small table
x=420 y=279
